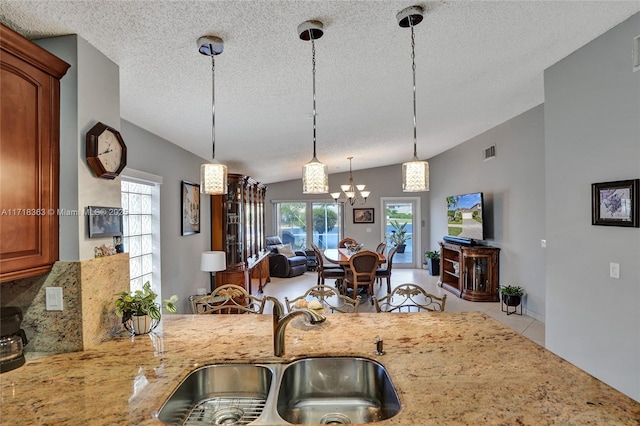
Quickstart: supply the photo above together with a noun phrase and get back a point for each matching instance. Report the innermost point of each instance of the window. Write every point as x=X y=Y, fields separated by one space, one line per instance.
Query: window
x=298 y=222
x=141 y=231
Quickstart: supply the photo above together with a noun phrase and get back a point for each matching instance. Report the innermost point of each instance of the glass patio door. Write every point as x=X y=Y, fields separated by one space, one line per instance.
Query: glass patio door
x=301 y=222
x=401 y=226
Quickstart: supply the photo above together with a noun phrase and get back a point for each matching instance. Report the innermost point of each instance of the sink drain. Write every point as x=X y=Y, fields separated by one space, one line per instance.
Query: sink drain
x=227 y=416
x=335 y=419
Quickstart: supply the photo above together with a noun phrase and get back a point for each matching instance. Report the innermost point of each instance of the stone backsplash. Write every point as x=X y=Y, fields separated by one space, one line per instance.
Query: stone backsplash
x=89 y=289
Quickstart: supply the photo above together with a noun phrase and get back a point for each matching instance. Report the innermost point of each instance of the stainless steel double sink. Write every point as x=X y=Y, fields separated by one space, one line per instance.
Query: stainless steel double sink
x=332 y=390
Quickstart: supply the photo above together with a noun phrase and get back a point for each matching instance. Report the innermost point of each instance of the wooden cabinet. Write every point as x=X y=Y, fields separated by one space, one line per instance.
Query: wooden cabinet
x=29 y=156
x=237 y=228
x=470 y=272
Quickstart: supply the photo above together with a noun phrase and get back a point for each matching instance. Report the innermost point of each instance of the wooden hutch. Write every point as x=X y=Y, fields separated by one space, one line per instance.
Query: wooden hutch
x=470 y=272
x=237 y=228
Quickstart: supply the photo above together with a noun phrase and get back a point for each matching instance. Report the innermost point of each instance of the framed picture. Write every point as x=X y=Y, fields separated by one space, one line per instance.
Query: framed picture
x=615 y=203
x=190 y=200
x=104 y=221
x=363 y=215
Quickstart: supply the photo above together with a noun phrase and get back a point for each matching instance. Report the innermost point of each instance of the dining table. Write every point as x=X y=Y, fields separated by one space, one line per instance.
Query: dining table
x=341 y=256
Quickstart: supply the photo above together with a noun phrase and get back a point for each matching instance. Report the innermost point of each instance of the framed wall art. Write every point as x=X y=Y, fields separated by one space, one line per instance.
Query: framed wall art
x=616 y=203
x=363 y=215
x=190 y=201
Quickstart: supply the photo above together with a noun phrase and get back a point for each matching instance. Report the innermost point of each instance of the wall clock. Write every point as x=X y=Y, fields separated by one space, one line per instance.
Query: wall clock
x=105 y=151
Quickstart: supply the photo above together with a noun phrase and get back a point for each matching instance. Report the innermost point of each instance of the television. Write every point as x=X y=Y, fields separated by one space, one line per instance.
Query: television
x=464 y=218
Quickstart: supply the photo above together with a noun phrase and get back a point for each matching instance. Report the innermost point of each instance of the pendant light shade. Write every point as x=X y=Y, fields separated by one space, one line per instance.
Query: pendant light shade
x=415 y=173
x=213 y=175
x=315 y=175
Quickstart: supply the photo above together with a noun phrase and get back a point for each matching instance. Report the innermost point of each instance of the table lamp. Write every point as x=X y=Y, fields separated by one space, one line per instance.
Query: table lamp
x=213 y=261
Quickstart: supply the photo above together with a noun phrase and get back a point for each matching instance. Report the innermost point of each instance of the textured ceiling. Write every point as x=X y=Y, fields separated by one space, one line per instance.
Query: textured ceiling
x=478 y=64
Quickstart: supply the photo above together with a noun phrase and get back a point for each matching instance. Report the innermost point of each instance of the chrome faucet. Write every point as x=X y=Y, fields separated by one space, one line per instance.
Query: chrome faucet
x=280 y=322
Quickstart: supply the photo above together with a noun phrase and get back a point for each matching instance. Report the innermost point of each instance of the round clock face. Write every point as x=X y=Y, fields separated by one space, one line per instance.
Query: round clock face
x=109 y=151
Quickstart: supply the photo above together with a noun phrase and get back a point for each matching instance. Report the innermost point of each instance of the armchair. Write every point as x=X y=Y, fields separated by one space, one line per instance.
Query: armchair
x=282 y=265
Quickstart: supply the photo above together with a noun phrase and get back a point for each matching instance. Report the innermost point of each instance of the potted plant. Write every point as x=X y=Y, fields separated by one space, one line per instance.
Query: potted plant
x=433 y=262
x=398 y=236
x=139 y=311
x=511 y=294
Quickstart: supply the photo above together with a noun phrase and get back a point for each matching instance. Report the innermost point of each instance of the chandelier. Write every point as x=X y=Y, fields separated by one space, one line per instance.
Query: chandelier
x=353 y=193
x=315 y=175
x=213 y=175
x=415 y=173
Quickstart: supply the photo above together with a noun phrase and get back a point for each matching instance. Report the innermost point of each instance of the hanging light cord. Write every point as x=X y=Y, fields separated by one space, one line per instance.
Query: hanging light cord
x=213 y=106
x=413 y=67
x=313 y=62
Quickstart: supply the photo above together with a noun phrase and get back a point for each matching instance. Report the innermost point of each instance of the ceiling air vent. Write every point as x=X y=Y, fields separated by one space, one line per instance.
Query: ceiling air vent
x=489 y=153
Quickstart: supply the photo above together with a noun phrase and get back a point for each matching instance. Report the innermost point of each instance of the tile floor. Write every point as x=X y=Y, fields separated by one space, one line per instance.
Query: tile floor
x=525 y=325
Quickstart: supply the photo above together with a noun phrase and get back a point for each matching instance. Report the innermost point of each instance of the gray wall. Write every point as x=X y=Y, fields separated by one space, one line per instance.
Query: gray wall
x=149 y=153
x=513 y=188
x=592 y=134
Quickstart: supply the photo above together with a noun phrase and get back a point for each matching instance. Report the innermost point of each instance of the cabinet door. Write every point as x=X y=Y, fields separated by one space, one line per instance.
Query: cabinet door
x=29 y=166
x=477 y=271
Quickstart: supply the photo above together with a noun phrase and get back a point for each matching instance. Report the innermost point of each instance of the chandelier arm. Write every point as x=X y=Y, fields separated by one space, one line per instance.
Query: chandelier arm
x=213 y=107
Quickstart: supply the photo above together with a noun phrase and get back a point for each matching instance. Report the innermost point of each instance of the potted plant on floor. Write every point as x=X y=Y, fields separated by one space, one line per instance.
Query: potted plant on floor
x=139 y=311
x=398 y=236
x=433 y=262
x=511 y=294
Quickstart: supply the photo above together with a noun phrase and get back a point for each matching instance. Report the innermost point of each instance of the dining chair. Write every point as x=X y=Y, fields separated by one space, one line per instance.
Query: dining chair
x=381 y=247
x=229 y=299
x=329 y=297
x=361 y=271
x=386 y=272
x=409 y=298
x=327 y=272
x=346 y=241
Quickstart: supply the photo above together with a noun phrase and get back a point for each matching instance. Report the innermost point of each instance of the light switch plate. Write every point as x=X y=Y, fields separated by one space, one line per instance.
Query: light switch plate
x=614 y=270
x=54 y=298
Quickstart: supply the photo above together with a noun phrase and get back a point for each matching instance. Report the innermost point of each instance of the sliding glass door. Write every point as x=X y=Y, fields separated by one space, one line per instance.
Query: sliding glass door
x=301 y=222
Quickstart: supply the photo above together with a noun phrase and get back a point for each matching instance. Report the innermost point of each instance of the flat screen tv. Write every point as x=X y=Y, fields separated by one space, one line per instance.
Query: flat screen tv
x=464 y=218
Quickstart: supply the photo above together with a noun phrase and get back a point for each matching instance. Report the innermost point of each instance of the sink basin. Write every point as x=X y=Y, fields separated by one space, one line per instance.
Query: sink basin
x=219 y=394
x=336 y=391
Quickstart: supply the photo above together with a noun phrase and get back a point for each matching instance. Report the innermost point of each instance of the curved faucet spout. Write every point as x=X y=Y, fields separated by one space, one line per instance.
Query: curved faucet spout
x=280 y=324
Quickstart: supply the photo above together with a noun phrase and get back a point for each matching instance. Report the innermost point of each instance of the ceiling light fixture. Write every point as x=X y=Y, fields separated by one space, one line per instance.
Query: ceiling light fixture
x=352 y=191
x=315 y=176
x=415 y=173
x=213 y=175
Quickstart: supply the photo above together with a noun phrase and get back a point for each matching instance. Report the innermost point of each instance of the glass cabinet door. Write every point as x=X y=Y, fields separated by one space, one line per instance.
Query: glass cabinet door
x=476 y=274
x=235 y=222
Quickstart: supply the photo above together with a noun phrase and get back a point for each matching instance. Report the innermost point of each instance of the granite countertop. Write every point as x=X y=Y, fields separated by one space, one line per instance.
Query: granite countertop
x=448 y=368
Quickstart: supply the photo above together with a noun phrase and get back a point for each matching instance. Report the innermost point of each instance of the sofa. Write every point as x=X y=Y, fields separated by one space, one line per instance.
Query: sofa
x=284 y=262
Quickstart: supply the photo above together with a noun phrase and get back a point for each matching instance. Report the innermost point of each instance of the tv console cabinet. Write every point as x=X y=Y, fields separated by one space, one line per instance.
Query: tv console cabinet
x=470 y=272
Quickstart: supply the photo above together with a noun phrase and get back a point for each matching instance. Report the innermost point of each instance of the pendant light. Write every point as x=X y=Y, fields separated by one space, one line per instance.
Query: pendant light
x=351 y=191
x=213 y=175
x=315 y=177
x=415 y=173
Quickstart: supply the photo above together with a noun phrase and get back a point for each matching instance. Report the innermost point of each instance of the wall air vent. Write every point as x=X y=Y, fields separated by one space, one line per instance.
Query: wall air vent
x=489 y=153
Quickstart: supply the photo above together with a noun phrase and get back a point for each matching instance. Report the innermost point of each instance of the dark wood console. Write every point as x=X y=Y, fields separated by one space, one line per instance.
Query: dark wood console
x=470 y=272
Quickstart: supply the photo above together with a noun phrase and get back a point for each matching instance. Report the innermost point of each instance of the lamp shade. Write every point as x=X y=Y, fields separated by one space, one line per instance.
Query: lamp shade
x=415 y=176
x=315 y=179
x=213 y=261
x=213 y=178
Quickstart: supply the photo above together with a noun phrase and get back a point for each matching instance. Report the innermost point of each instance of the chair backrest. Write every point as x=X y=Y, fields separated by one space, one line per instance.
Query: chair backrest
x=343 y=242
x=409 y=298
x=272 y=242
x=319 y=256
x=390 y=255
x=362 y=267
x=229 y=299
x=381 y=247
x=329 y=297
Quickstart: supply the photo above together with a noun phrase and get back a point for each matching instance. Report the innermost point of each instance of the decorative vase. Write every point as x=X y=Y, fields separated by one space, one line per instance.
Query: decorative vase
x=141 y=324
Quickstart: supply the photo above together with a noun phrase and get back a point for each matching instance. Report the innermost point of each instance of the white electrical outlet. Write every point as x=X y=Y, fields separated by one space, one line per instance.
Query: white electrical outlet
x=54 y=298
x=614 y=270
x=543 y=243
